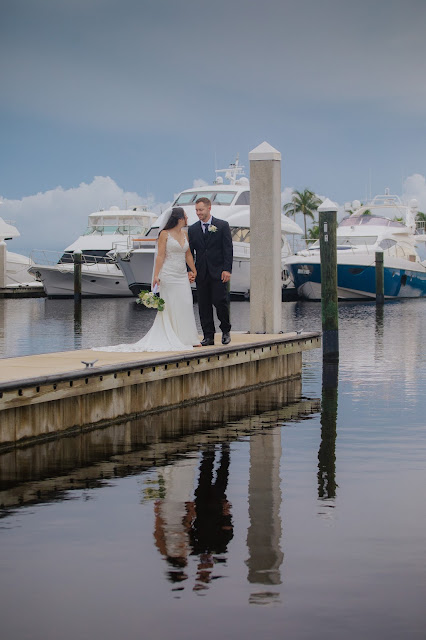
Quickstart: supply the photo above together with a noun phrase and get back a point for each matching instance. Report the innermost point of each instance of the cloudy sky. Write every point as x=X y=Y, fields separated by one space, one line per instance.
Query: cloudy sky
x=108 y=101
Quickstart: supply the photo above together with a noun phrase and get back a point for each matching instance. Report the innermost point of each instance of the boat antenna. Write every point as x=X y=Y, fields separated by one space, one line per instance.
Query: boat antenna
x=233 y=172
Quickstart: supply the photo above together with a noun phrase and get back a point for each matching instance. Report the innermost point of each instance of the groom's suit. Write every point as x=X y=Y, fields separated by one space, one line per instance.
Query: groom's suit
x=212 y=251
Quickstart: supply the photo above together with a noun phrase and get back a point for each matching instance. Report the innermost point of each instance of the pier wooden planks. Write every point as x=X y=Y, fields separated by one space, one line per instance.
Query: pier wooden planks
x=44 y=395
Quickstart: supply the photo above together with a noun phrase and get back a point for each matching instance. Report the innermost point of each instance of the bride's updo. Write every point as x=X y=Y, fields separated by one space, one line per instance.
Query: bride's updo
x=177 y=214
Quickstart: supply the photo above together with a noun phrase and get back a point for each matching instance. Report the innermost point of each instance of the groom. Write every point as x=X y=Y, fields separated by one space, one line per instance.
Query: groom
x=211 y=244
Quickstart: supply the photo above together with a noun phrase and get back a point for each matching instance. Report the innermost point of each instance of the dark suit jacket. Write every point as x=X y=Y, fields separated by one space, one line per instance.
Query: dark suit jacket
x=212 y=250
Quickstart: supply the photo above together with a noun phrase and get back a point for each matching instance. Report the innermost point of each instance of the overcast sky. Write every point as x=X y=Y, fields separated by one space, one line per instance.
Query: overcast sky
x=104 y=101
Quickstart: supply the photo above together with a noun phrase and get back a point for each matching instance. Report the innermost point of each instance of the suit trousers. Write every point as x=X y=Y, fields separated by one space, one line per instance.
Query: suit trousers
x=213 y=293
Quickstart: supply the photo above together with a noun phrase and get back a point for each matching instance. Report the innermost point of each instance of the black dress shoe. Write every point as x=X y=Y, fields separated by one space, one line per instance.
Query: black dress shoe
x=226 y=338
x=207 y=342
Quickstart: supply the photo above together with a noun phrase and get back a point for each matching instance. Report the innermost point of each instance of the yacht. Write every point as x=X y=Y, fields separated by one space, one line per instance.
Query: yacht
x=100 y=274
x=385 y=225
x=15 y=273
x=230 y=202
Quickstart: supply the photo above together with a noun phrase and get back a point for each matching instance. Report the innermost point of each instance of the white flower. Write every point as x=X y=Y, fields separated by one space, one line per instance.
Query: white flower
x=212 y=228
x=151 y=300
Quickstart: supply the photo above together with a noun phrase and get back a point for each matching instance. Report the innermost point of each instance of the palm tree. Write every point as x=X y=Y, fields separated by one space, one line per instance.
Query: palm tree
x=313 y=232
x=305 y=202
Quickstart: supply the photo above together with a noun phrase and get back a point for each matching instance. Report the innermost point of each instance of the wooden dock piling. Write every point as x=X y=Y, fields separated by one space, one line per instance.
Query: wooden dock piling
x=380 y=278
x=329 y=301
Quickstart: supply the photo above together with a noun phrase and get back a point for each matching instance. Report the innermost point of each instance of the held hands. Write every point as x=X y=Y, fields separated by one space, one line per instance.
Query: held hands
x=191 y=276
x=226 y=276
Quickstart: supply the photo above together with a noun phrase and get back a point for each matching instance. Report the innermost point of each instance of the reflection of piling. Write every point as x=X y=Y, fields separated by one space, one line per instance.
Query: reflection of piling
x=77 y=276
x=264 y=533
x=380 y=278
x=3 y=267
x=329 y=304
x=327 y=451
x=265 y=239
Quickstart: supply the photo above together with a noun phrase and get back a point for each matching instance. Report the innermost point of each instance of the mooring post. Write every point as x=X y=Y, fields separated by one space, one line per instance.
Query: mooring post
x=329 y=304
x=380 y=278
x=265 y=239
x=3 y=264
x=77 y=276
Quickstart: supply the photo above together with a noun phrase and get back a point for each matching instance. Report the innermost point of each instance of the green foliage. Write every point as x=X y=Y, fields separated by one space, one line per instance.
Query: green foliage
x=313 y=232
x=305 y=202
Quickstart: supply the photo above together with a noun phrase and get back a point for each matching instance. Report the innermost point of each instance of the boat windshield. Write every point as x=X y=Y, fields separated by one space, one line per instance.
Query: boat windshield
x=353 y=221
x=216 y=197
x=356 y=240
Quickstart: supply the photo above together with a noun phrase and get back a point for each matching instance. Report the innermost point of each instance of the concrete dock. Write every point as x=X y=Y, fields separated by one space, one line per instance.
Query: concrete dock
x=43 y=396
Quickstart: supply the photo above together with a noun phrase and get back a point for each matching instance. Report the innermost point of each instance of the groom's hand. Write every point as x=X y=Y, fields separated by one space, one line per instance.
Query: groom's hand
x=191 y=276
x=226 y=276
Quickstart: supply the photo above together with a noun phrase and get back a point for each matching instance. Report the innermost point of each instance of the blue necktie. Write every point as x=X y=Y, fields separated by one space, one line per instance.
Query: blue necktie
x=206 y=226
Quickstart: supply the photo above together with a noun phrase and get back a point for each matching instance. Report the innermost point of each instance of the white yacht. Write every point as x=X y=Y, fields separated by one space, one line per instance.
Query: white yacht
x=230 y=202
x=15 y=271
x=384 y=225
x=101 y=276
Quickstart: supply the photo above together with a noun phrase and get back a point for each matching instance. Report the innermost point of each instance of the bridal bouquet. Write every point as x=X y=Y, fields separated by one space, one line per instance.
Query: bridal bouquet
x=151 y=299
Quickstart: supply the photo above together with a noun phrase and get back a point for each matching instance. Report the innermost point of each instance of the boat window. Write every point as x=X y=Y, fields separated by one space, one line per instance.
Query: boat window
x=243 y=198
x=90 y=256
x=387 y=243
x=124 y=229
x=185 y=198
x=240 y=234
x=374 y=220
x=191 y=197
x=224 y=197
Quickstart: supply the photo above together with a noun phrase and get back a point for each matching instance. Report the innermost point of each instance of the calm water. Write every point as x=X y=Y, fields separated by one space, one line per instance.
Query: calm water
x=296 y=511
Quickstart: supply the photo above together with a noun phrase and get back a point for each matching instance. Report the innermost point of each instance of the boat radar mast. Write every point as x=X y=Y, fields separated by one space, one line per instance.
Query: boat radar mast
x=233 y=173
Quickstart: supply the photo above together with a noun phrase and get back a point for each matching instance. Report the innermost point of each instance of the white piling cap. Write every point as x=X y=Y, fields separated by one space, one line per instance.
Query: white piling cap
x=327 y=205
x=264 y=152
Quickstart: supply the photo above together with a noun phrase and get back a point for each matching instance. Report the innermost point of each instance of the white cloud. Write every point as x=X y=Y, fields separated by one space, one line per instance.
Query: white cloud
x=415 y=187
x=54 y=218
x=199 y=182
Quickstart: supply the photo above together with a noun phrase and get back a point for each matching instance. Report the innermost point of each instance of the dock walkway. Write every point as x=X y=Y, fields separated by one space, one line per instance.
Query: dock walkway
x=44 y=395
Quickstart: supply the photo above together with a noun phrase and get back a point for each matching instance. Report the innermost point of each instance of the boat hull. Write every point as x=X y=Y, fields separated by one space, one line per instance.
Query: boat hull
x=101 y=281
x=138 y=266
x=355 y=281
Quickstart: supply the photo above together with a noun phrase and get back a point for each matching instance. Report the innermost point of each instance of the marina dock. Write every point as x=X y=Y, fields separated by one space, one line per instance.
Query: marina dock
x=20 y=291
x=44 y=396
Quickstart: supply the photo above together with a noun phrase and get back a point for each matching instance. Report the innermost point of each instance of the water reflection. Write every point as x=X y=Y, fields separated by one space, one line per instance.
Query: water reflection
x=327 y=451
x=264 y=533
x=183 y=458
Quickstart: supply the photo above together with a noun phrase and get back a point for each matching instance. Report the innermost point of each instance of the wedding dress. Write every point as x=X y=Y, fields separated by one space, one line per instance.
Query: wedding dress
x=174 y=328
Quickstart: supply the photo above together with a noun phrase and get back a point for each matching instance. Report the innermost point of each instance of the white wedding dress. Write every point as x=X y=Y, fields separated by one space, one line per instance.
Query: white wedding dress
x=174 y=328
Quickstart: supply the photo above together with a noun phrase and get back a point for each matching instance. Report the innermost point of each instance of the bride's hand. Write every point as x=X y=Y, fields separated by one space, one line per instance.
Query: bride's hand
x=156 y=281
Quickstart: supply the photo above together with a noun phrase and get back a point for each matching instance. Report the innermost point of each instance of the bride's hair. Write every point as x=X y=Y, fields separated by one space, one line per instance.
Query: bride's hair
x=177 y=214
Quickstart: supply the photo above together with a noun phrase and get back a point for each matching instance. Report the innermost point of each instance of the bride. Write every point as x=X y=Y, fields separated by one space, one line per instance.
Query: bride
x=174 y=328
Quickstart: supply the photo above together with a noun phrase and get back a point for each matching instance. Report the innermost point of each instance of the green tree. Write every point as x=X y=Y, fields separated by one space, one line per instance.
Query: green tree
x=305 y=202
x=313 y=232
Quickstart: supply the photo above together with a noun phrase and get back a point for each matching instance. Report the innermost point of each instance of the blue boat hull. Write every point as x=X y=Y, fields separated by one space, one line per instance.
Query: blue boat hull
x=355 y=281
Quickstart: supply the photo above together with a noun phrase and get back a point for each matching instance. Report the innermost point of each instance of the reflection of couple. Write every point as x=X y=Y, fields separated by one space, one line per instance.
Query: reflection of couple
x=201 y=527
x=209 y=240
